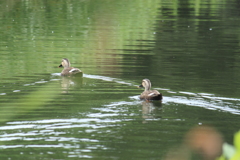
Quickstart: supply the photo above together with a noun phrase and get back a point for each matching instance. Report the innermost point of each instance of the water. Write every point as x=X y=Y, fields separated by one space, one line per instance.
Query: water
x=189 y=51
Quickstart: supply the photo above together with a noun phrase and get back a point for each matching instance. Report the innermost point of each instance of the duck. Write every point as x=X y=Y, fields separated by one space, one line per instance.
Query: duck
x=149 y=94
x=68 y=71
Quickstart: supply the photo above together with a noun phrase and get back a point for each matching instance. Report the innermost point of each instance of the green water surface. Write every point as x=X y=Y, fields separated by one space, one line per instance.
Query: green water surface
x=188 y=49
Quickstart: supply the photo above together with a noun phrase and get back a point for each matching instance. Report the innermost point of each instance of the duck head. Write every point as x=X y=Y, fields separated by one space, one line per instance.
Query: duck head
x=146 y=84
x=65 y=63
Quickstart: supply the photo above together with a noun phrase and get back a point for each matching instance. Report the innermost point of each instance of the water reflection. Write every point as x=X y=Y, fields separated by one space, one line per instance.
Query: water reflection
x=70 y=82
x=54 y=130
x=151 y=110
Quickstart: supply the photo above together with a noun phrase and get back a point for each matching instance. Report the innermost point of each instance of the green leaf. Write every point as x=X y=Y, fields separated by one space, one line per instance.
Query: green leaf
x=236 y=156
x=228 y=150
x=237 y=141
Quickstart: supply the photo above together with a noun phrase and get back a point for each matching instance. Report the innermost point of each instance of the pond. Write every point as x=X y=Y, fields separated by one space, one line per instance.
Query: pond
x=188 y=49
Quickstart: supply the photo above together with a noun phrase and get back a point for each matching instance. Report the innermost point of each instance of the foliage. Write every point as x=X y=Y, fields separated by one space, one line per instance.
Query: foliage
x=232 y=152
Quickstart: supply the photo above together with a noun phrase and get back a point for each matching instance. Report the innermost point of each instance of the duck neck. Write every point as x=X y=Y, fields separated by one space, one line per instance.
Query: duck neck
x=66 y=63
x=147 y=87
x=67 y=66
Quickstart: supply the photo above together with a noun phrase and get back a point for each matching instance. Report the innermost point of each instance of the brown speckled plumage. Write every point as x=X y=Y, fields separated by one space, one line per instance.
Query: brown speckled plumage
x=68 y=71
x=149 y=94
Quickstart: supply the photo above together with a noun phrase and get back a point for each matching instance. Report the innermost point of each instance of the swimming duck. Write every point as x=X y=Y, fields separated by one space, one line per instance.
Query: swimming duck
x=68 y=71
x=149 y=94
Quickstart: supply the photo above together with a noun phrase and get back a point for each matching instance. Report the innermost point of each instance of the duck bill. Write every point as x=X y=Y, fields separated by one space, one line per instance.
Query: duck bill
x=60 y=66
x=141 y=86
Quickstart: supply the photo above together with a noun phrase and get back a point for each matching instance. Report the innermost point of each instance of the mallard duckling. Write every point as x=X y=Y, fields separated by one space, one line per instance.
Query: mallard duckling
x=149 y=94
x=68 y=71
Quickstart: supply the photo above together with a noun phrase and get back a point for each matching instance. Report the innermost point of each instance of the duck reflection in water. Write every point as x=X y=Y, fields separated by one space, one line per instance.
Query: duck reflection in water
x=70 y=82
x=151 y=110
x=149 y=94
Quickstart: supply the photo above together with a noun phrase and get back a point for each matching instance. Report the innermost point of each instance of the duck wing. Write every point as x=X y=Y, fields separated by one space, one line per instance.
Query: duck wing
x=74 y=70
x=154 y=95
